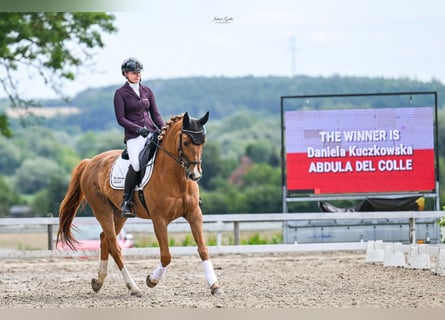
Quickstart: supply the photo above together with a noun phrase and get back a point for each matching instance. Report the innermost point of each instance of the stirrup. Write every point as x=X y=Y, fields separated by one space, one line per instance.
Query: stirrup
x=126 y=210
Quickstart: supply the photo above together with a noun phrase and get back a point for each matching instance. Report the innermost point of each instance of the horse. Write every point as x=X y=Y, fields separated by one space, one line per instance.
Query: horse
x=171 y=192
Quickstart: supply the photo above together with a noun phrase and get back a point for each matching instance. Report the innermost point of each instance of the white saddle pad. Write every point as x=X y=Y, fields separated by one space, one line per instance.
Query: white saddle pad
x=119 y=171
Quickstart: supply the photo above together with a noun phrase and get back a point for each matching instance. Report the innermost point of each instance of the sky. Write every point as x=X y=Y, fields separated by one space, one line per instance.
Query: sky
x=173 y=38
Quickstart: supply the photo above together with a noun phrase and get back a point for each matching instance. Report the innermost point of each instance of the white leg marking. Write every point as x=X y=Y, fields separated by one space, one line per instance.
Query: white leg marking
x=209 y=273
x=102 y=270
x=158 y=273
x=131 y=285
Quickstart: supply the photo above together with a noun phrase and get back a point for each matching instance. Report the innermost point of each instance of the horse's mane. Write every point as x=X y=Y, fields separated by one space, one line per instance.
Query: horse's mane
x=168 y=125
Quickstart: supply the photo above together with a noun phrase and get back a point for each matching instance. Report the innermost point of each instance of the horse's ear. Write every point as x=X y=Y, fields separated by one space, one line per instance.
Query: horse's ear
x=203 y=120
x=185 y=120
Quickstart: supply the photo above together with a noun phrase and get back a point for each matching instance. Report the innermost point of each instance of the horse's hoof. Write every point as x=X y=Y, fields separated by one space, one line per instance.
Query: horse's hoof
x=137 y=293
x=216 y=290
x=151 y=283
x=96 y=285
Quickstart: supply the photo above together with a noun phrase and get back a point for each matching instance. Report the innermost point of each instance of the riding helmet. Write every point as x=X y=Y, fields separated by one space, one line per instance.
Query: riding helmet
x=132 y=65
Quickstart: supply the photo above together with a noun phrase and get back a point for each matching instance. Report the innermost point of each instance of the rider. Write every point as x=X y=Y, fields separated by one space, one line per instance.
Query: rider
x=136 y=110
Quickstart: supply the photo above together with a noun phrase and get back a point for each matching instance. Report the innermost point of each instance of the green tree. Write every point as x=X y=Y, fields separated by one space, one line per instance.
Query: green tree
x=52 y=45
x=262 y=174
x=94 y=142
x=261 y=151
x=48 y=200
x=7 y=198
x=39 y=141
x=212 y=165
x=67 y=158
x=227 y=199
x=262 y=188
x=10 y=158
x=37 y=173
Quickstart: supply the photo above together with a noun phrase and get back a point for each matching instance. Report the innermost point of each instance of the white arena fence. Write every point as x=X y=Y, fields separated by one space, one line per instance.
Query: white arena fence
x=225 y=222
x=222 y=222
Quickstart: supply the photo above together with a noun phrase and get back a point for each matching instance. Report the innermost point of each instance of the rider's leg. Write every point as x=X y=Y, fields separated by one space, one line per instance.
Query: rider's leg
x=134 y=147
x=130 y=183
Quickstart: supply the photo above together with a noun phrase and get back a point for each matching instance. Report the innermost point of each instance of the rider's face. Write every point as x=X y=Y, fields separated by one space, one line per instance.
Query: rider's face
x=133 y=77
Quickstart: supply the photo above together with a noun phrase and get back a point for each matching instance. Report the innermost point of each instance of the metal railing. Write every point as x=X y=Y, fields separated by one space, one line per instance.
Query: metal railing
x=237 y=219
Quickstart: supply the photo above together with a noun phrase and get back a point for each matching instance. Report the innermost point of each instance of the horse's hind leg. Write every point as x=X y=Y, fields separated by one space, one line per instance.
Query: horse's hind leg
x=109 y=245
x=97 y=284
x=116 y=253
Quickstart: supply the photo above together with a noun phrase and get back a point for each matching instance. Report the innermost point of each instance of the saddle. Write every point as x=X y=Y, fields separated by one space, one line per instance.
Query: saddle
x=120 y=167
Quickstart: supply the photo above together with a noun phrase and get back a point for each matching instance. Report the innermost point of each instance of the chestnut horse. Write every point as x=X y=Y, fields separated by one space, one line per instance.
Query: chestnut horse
x=172 y=192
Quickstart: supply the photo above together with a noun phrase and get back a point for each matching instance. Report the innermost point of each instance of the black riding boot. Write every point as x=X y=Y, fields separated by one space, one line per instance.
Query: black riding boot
x=130 y=183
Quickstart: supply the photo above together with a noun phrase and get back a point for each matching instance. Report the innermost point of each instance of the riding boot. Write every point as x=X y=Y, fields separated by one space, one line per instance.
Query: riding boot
x=130 y=183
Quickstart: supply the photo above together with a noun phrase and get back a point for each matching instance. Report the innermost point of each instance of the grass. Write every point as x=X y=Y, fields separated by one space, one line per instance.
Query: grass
x=24 y=241
x=39 y=241
x=186 y=239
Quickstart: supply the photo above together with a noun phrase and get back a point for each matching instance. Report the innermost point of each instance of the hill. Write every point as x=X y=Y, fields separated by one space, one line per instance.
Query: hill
x=225 y=96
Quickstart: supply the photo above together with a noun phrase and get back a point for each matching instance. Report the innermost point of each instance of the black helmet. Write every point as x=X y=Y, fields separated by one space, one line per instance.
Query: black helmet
x=131 y=64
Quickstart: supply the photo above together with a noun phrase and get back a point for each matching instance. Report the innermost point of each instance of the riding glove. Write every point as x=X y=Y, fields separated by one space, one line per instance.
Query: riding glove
x=143 y=131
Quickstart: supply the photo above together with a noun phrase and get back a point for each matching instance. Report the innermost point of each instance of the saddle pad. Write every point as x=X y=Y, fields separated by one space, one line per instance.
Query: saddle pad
x=119 y=171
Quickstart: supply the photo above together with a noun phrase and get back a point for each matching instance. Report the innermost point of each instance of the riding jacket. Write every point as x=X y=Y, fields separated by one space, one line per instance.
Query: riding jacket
x=133 y=111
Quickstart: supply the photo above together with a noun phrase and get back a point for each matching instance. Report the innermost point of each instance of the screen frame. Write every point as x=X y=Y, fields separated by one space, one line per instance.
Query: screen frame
x=309 y=195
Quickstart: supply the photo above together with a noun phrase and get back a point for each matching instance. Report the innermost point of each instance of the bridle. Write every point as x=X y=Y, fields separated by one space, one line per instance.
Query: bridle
x=182 y=160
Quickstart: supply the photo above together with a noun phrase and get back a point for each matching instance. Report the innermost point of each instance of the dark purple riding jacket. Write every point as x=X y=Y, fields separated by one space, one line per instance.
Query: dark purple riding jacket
x=133 y=112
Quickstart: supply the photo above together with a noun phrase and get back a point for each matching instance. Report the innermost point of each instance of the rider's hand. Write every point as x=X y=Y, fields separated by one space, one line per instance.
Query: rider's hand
x=142 y=131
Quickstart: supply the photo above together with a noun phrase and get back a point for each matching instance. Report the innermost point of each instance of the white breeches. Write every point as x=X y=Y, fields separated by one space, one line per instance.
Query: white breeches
x=134 y=147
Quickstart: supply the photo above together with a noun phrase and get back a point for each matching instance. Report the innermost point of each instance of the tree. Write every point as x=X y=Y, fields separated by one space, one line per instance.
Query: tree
x=52 y=45
x=7 y=197
x=37 y=173
x=263 y=174
x=212 y=165
x=261 y=151
x=11 y=157
x=93 y=143
x=48 y=200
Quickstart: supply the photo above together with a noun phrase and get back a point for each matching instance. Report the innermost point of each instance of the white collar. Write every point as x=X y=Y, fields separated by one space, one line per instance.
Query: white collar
x=135 y=87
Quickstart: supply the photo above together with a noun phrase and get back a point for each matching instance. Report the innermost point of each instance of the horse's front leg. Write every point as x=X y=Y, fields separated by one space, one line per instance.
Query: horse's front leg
x=160 y=228
x=195 y=222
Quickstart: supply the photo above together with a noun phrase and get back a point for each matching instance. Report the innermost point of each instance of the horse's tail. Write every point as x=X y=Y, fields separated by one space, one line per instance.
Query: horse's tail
x=70 y=205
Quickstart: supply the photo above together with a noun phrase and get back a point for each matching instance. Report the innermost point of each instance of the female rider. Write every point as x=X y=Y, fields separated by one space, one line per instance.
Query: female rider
x=136 y=110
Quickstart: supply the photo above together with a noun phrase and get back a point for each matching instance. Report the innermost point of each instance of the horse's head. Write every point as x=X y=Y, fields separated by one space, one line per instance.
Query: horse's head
x=191 y=144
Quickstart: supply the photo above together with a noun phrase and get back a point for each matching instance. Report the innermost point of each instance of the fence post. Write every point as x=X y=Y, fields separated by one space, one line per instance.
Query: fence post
x=50 y=233
x=236 y=232
x=412 y=230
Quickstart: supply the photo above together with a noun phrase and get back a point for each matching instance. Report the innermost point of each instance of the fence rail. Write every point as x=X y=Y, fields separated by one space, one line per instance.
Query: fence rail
x=236 y=219
x=248 y=217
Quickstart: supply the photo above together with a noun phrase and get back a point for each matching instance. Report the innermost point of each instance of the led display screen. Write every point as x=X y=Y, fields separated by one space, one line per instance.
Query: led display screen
x=360 y=151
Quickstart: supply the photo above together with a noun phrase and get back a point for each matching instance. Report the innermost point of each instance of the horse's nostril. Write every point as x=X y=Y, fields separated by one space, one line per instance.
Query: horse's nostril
x=194 y=177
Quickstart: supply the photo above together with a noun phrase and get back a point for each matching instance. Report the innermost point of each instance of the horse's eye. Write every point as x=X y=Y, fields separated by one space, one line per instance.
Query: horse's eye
x=186 y=142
